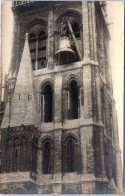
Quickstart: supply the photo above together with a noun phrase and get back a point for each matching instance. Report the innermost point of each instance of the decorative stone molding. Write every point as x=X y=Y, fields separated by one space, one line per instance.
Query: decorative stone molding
x=70 y=77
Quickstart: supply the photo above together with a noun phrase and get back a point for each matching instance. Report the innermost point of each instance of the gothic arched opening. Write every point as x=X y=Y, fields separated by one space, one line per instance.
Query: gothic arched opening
x=42 y=50
x=9 y=155
x=71 y=155
x=74 y=99
x=23 y=154
x=70 y=159
x=37 y=45
x=34 y=155
x=16 y=154
x=47 y=103
x=19 y=191
x=47 y=160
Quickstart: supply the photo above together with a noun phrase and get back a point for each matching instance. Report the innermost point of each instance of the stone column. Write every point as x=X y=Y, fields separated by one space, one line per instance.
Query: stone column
x=94 y=31
x=50 y=39
x=99 y=151
x=85 y=30
x=58 y=101
x=91 y=44
x=36 y=65
x=98 y=95
x=102 y=51
x=108 y=66
x=39 y=161
x=106 y=110
x=58 y=151
x=102 y=161
x=110 y=159
x=89 y=30
x=58 y=124
x=87 y=86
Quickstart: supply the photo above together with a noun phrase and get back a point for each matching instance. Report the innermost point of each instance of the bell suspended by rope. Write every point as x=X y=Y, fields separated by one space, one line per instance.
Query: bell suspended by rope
x=65 y=54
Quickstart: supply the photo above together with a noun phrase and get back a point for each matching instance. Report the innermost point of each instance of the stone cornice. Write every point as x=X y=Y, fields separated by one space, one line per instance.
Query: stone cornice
x=25 y=12
x=28 y=131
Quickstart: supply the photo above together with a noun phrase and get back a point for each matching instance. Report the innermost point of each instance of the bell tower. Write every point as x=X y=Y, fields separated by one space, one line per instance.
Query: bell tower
x=59 y=130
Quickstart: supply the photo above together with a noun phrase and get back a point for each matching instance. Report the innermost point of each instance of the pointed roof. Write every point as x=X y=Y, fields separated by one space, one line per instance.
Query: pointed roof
x=23 y=106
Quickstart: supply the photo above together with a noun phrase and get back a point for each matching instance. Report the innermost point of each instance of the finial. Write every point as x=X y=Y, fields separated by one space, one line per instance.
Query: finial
x=26 y=36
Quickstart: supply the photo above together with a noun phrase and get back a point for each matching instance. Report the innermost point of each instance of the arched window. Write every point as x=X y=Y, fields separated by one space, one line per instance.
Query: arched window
x=70 y=159
x=47 y=104
x=37 y=44
x=74 y=99
x=15 y=154
x=9 y=155
x=23 y=154
x=63 y=29
x=7 y=191
x=71 y=155
x=47 y=158
x=42 y=50
x=19 y=191
x=34 y=155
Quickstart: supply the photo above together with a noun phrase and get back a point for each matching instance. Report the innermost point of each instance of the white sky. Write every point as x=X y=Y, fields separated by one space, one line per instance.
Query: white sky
x=116 y=16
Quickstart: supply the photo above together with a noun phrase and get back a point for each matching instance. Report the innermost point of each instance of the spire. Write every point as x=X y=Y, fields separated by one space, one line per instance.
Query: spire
x=23 y=108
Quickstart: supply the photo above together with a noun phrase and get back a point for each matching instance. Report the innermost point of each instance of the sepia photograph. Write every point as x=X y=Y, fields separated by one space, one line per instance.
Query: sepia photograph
x=61 y=97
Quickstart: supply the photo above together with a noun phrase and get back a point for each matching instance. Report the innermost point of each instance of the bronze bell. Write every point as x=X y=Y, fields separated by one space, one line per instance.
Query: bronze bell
x=65 y=54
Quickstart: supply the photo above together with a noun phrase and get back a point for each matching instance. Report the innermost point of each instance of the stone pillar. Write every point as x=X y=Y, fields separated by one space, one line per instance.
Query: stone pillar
x=58 y=151
x=98 y=95
x=102 y=161
x=85 y=30
x=106 y=110
x=50 y=39
x=58 y=101
x=99 y=151
x=90 y=30
x=87 y=86
x=119 y=179
x=83 y=152
x=87 y=150
x=108 y=66
x=110 y=159
x=36 y=65
x=94 y=31
x=102 y=52
x=57 y=188
x=39 y=161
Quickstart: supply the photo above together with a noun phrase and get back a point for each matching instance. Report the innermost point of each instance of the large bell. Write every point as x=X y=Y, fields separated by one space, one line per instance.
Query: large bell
x=65 y=54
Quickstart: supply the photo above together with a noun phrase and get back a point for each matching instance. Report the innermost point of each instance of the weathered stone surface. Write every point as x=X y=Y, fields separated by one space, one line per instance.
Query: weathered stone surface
x=96 y=139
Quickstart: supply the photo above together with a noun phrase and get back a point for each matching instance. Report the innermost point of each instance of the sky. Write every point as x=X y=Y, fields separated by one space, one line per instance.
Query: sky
x=115 y=10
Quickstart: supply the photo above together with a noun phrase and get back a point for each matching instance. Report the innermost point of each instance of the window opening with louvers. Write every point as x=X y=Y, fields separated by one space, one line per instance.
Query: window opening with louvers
x=37 y=46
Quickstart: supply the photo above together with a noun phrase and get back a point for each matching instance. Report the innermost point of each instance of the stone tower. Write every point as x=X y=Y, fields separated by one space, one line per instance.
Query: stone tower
x=59 y=131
